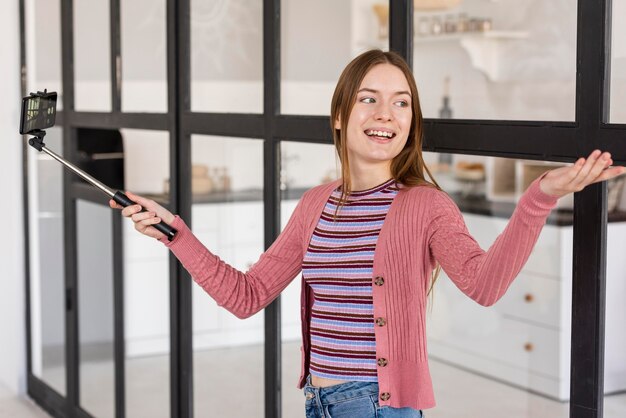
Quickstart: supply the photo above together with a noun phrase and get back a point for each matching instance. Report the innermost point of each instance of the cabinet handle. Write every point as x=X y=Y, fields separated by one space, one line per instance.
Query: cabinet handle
x=528 y=297
x=529 y=347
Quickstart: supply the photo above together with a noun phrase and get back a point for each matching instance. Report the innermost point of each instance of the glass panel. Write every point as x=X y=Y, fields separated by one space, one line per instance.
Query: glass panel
x=227 y=213
x=496 y=60
x=615 y=342
x=146 y=163
x=47 y=274
x=615 y=336
x=92 y=55
x=318 y=39
x=618 y=64
x=144 y=56
x=146 y=281
x=522 y=343
x=227 y=56
x=95 y=308
x=43 y=26
x=302 y=166
x=146 y=325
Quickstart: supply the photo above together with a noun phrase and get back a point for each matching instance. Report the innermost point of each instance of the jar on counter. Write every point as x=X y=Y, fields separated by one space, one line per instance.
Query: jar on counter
x=450 y=24
x=436 y=27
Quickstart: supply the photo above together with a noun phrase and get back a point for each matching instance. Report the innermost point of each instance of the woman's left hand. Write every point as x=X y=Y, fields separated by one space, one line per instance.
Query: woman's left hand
x=564 y=180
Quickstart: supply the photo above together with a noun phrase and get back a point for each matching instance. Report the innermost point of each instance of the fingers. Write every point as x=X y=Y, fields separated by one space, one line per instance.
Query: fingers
x=146 y=221
x=129 y=211
x=143 y=220
x=609 y=173
x=145 y=227
x=588 y=171
x=138 y=199
x=142 y=216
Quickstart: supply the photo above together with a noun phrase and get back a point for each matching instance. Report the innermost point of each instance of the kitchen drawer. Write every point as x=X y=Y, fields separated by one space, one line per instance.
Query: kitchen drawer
x=533 y=298
x=507 y=341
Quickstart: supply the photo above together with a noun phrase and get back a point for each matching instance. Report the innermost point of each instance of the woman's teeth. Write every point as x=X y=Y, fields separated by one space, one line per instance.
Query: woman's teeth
x=382 y=134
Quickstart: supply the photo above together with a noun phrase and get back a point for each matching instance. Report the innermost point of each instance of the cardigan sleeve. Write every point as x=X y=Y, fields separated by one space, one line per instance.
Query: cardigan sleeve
x=243 y=294
x=482 y=275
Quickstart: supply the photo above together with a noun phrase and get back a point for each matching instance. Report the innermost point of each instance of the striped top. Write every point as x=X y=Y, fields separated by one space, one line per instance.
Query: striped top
x=338 y=267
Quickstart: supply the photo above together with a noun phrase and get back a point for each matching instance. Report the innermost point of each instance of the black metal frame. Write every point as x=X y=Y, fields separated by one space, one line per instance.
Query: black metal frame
x=540 y=140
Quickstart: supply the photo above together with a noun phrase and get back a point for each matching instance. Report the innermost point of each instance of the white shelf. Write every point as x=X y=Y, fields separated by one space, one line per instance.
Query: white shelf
x=484 y=48
x=500 y=35
x=485 y=51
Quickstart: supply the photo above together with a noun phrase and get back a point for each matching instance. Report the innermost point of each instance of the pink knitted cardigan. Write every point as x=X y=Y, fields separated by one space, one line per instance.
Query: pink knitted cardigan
x=423 y=226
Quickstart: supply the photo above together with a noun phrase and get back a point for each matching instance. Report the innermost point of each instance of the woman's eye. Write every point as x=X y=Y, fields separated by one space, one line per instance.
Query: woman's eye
x=368 y=100
x=402 y=103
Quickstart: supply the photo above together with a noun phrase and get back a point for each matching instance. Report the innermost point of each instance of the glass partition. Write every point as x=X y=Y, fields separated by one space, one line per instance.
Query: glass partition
x=92 y=56
x=43 y=36
x=496 y=60
x=146 y=324
x=94 y=242
x=144 y=56
x=146 y=281
x=146 y=163
x=227 y=56
x=227 y=213
x=617 y=112
x=47 y=268
x=318 y=39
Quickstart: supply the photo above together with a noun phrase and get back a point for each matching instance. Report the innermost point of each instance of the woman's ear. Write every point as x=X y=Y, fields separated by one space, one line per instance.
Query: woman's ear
x=338 y=123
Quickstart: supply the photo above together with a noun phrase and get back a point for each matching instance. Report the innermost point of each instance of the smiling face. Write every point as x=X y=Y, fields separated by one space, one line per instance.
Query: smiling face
x=380 y=120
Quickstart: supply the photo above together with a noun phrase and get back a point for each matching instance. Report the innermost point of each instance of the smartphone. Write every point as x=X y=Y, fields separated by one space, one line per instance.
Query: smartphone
x=38 y=112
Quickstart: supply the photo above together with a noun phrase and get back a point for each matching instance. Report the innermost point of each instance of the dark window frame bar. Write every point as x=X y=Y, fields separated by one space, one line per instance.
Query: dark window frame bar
x=541 y=140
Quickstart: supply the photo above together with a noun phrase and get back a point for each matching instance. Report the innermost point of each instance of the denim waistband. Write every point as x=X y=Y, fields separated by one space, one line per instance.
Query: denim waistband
x=342 y=391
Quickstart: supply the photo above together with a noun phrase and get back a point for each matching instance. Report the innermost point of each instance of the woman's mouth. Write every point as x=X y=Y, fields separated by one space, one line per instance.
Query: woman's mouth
x=381 y=136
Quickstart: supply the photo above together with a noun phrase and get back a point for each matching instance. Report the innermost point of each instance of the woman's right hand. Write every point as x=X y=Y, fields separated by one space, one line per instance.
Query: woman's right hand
x=144 y=220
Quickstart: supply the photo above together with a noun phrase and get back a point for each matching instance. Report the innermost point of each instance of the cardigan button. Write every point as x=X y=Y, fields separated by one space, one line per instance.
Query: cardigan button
x=385 y=396
x=381 y=322
x=382 y=362
x=379 y=281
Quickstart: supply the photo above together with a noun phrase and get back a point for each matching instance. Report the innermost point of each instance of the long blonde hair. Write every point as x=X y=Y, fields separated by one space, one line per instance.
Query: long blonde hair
x=408 y=166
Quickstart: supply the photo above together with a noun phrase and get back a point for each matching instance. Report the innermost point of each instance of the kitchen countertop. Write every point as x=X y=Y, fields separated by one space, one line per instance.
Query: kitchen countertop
x=474 y=205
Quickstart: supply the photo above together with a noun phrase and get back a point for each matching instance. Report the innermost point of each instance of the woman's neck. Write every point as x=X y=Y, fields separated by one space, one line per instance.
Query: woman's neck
x=363 y=179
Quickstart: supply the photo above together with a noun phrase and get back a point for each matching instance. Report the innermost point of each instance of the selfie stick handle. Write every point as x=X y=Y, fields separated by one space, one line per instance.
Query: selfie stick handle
x=121 y=199
x=117 y=196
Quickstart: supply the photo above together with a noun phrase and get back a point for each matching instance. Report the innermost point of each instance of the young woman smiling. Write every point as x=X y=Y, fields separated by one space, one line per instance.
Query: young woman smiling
x=370 y=246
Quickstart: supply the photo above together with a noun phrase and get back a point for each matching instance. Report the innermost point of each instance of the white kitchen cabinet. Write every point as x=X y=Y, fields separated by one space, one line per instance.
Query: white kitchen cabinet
x=524 y=339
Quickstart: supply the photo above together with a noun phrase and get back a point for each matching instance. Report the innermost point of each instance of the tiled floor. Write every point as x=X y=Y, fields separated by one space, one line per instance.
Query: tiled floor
x=232 y=376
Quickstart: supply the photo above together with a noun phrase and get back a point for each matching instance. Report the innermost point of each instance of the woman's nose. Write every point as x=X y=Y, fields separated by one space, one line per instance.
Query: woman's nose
x=383 y=112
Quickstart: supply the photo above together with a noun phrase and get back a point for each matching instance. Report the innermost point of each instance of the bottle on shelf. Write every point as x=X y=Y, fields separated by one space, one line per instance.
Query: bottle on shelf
x=215 y=177
x=445 y=112
x=225 y=180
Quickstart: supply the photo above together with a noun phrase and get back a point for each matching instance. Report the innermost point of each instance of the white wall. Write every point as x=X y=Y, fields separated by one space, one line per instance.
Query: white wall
x=12 y=319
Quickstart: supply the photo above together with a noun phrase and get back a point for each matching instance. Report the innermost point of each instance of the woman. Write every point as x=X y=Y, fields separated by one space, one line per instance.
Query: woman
x=367 y=245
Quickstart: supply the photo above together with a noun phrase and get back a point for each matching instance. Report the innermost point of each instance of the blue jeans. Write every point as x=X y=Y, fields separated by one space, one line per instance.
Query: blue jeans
x=350 y=400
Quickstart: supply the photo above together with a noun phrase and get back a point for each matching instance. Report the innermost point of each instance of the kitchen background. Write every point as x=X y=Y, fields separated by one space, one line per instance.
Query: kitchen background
x=476 y=59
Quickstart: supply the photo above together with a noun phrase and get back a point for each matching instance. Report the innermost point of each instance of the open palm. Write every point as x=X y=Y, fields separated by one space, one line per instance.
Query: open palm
x=564 y=180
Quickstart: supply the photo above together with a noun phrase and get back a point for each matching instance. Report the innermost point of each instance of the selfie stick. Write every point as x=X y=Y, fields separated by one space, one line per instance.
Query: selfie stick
x=119 y=197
